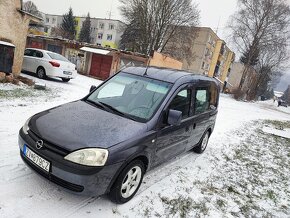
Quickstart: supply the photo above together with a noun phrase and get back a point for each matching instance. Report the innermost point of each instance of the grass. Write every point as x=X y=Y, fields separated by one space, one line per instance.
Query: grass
x=251 y=179
x=26 y=92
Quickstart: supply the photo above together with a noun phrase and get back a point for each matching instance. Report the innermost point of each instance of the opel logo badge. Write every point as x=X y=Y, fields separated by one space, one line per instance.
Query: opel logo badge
x=39 y=144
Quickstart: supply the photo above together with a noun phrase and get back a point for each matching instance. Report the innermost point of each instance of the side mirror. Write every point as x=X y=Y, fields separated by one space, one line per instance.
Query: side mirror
x=174 y=117
x=92 y=88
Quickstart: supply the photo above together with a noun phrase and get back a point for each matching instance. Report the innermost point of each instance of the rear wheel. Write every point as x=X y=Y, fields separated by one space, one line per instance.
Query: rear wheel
x=202 y=144
x=128 y=182
x=41 y=73
x=65 y=80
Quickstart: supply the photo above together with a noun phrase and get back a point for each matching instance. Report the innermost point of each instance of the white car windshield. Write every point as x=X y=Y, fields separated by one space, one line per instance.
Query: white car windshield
x=57 y=57
x=131 y=95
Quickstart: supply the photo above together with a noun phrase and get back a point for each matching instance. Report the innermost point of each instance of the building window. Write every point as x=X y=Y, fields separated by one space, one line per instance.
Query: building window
x=100 y=35
x=47 y=20
x=76 y=22
x=53 y=20
x=111 y=27
x=207 y=52
x=101 y=26
x=109 y=37
x=209 y=39
x=202 y=66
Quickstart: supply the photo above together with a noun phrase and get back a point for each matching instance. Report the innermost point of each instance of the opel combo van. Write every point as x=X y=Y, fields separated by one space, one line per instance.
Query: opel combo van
x=134 y=121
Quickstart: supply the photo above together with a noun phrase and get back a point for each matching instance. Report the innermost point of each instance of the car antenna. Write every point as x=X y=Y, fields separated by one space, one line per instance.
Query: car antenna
x=148 y=63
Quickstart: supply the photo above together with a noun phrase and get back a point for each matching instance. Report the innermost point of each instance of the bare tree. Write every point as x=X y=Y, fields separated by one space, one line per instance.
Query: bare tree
x=152 y=23
x=180 y=45
x=31 y=8
x=260 y=31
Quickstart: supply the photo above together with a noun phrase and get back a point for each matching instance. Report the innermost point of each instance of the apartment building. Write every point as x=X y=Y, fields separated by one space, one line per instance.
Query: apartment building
x=104 y=32
x=211 y=55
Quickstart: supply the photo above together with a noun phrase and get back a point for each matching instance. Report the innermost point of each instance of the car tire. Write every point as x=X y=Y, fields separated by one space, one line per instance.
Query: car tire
x=65 y=80
x=125 y=187
x=41 y=73
x=200 y=148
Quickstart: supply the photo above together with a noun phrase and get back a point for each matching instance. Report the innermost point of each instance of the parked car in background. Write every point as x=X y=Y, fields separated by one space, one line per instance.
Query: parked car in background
x=282 y=103
x=46 y=63
x=136 y=120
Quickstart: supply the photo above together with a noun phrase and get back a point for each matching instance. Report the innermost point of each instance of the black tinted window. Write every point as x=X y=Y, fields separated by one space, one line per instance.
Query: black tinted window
x=181 y=102
x=38 y=54
x=28 y=52
x=214 y=95
x=201 y=100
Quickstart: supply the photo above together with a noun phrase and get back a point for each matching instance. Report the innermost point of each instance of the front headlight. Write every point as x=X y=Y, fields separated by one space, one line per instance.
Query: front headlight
x=25 y=126
x=89 y=157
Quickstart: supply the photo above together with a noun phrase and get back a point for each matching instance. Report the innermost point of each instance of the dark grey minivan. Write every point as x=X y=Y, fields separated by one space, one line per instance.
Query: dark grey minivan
x=136 y=120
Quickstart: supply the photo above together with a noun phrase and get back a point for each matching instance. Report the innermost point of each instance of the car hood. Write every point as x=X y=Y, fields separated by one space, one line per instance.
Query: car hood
x=79 y=125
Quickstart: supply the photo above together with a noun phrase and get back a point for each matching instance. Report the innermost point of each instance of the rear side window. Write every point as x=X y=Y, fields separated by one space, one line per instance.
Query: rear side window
x=201 y=100
x=38 y=54
x=214 y=92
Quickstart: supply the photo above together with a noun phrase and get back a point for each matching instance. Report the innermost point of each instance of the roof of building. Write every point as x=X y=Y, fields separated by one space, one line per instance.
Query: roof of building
x=166 y=74
x=95 y=50
x=6 y=44
x=97 y=18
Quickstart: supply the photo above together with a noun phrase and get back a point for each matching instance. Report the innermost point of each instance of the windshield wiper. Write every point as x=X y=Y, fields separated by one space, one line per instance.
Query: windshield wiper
x=96 y=104
x=116 y=111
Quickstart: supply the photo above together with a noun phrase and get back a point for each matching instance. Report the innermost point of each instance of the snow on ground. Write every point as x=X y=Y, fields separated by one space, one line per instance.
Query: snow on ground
x=244 y=171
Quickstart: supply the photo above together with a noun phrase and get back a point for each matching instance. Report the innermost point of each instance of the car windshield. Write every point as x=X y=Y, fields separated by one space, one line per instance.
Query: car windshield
x=57 y=57
x=131 y=96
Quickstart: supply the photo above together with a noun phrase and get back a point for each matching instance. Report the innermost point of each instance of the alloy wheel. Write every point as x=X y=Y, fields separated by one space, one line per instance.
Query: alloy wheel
x=131 y=182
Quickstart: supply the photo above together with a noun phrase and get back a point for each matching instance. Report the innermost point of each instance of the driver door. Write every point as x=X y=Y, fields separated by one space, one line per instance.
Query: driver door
x=173 y=140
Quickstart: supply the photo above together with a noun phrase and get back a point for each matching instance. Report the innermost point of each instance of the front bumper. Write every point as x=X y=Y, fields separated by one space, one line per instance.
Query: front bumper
x=89 y=181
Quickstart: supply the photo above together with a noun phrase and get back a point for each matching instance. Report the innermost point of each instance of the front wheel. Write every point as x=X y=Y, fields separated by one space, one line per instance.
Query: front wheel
x=65 y=80
x=128 y=182
x=203 y=144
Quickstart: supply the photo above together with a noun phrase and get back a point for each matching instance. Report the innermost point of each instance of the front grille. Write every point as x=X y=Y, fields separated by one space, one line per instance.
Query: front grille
x=52 y=178
x=47 y=145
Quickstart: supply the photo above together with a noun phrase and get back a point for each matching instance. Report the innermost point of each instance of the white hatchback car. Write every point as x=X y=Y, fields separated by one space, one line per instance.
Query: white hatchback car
x=46 y=63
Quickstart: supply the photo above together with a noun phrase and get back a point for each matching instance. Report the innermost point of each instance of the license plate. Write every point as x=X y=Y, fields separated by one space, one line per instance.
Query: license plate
x=35 y=158
x=67 y=72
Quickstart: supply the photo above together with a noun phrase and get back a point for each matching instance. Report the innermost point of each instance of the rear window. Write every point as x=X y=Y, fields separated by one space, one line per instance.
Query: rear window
x=57 y=57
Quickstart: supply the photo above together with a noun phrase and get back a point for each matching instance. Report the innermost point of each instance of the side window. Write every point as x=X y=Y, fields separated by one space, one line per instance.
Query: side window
x=33 y=53
x=213 y=95
x=201 y=100
x=28 y=52
x=38 y=54
x=181 y=102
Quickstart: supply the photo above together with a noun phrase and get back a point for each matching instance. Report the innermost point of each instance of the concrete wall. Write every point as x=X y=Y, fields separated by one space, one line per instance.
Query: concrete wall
x=14 y=28
x=235 y=76
x=160 y=60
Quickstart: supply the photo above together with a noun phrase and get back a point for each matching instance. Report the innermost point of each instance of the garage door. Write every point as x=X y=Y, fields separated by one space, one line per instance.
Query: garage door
x=101 y=66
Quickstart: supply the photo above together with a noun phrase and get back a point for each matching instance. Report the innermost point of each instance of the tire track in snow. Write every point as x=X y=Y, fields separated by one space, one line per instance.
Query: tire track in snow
x=72 y=210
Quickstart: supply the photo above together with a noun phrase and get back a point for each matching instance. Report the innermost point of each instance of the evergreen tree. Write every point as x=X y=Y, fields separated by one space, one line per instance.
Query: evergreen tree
x=85 y=34
x=250 y=59
x=68 y=25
